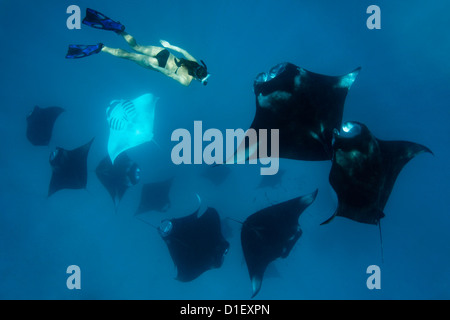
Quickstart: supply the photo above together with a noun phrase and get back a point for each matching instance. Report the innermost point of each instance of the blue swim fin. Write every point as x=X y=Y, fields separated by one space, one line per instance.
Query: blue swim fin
x=80 y=51
x=98 y=20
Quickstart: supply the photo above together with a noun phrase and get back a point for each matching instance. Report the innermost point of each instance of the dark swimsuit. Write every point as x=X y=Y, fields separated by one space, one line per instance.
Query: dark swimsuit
x=162 y=57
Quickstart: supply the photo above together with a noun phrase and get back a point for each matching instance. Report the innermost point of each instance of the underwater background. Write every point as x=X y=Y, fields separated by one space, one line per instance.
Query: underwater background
x=401 y=93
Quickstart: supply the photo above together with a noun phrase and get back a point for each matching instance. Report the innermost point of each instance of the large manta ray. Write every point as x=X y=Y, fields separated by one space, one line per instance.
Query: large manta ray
x=306 y=107
x=364 y=170
x=69 y=168
x=40 y=124
x=271 y=233
x=130 y=123
x=118 y=177
x=196 y=244
x=155 y=196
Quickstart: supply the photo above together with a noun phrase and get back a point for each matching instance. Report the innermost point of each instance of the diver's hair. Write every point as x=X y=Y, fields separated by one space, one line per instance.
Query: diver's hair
x=194 y=69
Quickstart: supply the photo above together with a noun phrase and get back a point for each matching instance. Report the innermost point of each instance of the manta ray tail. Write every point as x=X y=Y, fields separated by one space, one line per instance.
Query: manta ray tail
x=156 y=143
x=146 y=222
x=232 y=219
x=381 y=242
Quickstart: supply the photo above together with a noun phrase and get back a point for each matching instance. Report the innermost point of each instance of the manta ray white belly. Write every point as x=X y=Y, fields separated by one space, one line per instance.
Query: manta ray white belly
x=130 y=122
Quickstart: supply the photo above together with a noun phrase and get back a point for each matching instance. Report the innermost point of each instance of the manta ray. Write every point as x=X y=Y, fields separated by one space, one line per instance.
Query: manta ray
x=118 y=177
x=304 y=106
x=69 y=168
x=364 y=170
x=130 y=122
x=271 y=233
x=155 y=196
x=195 y=243
x=40 y=124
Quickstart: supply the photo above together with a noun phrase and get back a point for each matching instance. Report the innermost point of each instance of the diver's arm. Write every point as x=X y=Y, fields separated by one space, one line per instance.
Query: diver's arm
x=183 y=80
x=167 y=45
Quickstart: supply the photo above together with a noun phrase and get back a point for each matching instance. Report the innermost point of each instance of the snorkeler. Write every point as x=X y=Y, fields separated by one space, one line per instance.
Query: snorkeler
x=183 y=70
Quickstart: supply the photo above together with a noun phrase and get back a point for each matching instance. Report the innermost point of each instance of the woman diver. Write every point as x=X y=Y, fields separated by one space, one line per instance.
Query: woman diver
x=183 y=70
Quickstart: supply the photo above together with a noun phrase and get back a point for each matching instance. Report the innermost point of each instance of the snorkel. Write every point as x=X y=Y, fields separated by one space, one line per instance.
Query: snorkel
x=200 y=71
x=205 y=79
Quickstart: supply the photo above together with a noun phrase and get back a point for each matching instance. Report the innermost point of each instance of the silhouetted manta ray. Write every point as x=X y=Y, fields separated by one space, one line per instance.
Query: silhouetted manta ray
x=118 y=177
x=196 y=244
x=69 y=168
x=40 y=124
x=364 y=170
x=306 y=107
x=271 y=181
x=216 y=174
x=155 y=196
x=271 y=233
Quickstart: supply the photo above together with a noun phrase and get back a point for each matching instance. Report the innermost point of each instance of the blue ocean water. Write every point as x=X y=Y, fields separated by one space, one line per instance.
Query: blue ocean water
x=402 y=93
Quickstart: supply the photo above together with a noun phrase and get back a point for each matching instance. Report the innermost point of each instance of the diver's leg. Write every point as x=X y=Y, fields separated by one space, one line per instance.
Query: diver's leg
x=147 y=50
x=142 y=60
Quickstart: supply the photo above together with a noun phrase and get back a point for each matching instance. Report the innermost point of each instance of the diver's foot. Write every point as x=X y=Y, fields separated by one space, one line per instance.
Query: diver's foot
x=77 y=51
x=98 y=20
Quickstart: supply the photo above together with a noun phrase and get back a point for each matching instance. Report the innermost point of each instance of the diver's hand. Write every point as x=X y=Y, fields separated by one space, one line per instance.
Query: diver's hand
x=164 y=43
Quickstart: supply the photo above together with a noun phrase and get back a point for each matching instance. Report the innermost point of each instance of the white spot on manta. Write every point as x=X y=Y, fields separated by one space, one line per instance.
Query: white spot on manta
x=267 y=101
x=347 y=80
